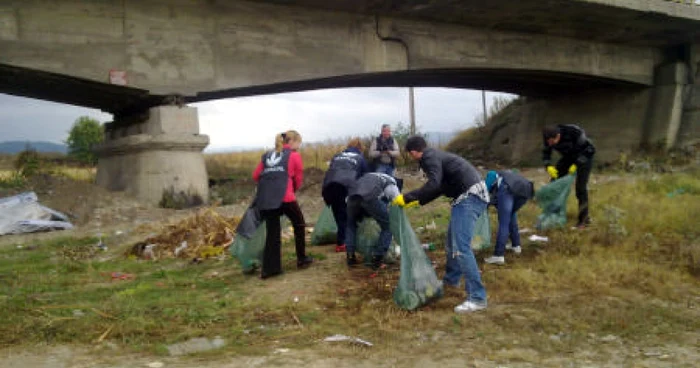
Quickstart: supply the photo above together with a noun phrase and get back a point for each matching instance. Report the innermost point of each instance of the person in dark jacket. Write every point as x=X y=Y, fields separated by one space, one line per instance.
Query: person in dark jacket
x=370 y=197
x=577 y=153
x=279 y=175
x=384 y=150
x=509 y=192
x=452 y=176
x=345 y=168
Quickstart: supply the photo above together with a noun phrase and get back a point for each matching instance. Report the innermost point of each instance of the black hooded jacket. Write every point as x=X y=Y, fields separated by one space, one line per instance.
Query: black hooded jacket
x=574 y=146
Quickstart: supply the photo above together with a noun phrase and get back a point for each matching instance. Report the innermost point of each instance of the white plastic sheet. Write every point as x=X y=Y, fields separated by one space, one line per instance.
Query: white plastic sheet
x=23 y=214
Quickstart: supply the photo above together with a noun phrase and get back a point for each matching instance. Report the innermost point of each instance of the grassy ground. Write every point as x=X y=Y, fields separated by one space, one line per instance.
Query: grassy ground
x=623 y=293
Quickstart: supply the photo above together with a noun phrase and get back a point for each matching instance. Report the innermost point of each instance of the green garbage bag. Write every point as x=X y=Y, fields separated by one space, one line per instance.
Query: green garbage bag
x=250 y=241
x=418 y=283
x=367 y=239
x=551 y=198
x=326 y=230
x=482 y=232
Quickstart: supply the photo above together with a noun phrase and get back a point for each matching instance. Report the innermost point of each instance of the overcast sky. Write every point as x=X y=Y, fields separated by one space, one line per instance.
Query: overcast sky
x=253 y=121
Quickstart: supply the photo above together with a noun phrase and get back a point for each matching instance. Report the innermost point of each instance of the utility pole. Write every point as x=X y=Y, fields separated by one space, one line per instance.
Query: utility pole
x=412 y=111
x=483 y=102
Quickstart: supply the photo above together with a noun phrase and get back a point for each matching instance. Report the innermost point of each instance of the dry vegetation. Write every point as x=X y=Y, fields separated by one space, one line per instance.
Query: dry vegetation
x=625 y=292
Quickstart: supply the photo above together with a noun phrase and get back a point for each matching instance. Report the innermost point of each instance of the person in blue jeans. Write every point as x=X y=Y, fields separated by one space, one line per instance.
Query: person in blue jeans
x=453 y=176
x=370 y=196
x=510 y=192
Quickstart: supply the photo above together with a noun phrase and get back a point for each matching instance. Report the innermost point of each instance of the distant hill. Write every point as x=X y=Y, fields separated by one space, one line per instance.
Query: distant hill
x=12 y=147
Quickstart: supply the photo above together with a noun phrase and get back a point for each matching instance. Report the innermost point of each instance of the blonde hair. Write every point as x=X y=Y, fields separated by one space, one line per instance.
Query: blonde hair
x=286 y=137
x=355 y=143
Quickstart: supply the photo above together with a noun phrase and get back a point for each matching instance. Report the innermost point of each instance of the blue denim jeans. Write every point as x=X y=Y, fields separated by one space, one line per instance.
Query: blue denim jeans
x=374 y=208
x=385 y=169
x=508 y=206
x=460 y=258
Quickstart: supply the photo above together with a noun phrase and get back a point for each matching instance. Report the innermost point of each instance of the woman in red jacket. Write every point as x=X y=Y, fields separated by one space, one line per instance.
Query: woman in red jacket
x=279 y=175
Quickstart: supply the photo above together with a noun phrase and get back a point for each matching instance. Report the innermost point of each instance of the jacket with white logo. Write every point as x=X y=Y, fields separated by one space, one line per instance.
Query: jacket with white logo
x=279 y=176
x=345 y=168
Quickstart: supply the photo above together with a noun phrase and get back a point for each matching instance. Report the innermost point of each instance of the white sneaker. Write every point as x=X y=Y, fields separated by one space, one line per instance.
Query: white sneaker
x=469 y=306
x=516 y=250
x=495 y=260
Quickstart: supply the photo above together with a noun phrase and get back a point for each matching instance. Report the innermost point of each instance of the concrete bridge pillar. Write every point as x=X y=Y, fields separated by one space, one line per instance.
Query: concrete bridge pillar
x=160 y=153
x=667 y=105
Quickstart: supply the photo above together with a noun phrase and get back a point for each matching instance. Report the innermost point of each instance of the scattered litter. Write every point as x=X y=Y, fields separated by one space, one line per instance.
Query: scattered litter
x=281 y=351
x=609 y=338
x=23 y=214
x=676 y=192
x=196 y=345
x=354 y=340
x=428 y=246
x=180 y=248
x=122 y=276
x=101 y=245
x=296 y=299
x=155 y=365
x=20 y=247
x=537 y=238
x=526 y=230
x=431 y=226
x=148 y=252
x=78 y=313
x=202 y=235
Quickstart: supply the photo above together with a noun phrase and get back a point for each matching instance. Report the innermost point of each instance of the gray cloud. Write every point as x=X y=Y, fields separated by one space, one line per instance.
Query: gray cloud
x=25 y=119
x=253 y=121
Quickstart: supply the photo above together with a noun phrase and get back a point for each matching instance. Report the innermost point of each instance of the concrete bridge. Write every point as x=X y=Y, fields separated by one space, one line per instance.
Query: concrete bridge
x=627 y=70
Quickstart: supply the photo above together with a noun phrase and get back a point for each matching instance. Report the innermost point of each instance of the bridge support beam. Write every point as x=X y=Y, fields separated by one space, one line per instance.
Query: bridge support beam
x=666 y=111
x=157 y=156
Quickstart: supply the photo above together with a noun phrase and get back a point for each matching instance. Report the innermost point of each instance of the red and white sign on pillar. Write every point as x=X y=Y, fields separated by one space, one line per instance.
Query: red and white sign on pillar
x=117 y=77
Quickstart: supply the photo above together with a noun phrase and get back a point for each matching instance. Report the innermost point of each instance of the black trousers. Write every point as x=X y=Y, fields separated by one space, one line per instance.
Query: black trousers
x=334 y=195
x=272 y=255
x=583 y=173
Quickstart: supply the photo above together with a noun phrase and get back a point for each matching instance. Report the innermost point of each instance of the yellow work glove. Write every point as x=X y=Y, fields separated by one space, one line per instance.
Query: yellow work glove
x=552 y=171
x=572 y=169
x=399 y=201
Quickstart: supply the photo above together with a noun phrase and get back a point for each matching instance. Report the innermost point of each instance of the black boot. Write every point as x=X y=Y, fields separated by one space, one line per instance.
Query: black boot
x=377 y=262
x=304 y=262
x=352 y=259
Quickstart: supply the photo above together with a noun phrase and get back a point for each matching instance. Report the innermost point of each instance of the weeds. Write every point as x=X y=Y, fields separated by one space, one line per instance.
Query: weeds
x=583 y=292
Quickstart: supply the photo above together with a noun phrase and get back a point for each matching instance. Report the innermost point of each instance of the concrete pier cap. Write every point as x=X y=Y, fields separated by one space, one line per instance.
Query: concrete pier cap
x=156 y=157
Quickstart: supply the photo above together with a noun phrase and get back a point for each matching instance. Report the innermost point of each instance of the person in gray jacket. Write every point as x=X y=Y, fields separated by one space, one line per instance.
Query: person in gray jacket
x=509 y=192
x=370 y=197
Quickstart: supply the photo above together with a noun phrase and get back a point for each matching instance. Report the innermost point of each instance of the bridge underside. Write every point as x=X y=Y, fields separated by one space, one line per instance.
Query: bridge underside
x=125 y=101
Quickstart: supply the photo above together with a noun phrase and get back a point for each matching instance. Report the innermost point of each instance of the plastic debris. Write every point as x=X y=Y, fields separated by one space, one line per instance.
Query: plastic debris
x=354 y=340
x=537 y=238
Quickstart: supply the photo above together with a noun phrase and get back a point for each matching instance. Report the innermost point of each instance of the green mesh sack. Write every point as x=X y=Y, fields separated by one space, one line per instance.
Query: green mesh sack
x=418 y=283
x=367 y=238
x=551 y=198
x=482 y=232
x=250 y=240
x=249 y=250
x=326 y=230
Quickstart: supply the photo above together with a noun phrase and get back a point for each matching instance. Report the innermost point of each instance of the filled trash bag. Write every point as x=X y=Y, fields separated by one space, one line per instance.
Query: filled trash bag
x=367 y=239
x=249 y=243
x=551 y=198
x=418 y=283
x=326 y=230
x=482 y=232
